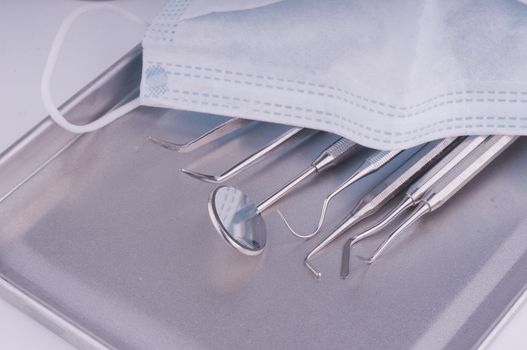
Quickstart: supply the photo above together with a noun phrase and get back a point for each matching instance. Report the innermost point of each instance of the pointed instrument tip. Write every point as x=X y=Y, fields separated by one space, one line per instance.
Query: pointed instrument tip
x=200 y=176
x=168 y=145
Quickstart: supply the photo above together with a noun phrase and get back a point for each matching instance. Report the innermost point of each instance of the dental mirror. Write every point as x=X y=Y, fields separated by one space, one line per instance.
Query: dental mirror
x=238 y=220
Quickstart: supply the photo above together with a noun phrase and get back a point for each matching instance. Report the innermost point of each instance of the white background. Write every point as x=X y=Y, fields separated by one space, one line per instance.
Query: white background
x=27 y=29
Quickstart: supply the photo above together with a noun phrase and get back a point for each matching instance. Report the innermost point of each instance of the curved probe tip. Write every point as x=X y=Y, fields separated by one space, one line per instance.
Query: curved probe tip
x=296 y=234
x=321 y=219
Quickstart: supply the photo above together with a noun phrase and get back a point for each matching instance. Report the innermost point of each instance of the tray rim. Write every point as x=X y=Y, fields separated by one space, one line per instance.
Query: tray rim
x=27 y=303
x=59 y=324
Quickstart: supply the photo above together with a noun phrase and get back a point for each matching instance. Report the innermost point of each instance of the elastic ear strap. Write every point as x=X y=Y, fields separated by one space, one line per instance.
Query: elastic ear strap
x=45 y=88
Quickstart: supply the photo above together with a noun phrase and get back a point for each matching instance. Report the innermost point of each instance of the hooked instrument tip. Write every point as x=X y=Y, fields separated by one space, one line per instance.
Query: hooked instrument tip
x=317 y=274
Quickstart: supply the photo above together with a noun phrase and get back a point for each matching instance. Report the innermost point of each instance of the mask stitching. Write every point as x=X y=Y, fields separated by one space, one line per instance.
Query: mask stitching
x=417 y=131
x=501 y=99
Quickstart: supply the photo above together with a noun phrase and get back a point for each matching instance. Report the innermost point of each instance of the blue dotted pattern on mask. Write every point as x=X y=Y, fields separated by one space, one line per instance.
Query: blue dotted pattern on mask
x=156 y=80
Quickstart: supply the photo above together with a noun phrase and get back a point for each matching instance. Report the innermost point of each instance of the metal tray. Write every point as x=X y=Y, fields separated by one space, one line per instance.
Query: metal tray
x=106 y=242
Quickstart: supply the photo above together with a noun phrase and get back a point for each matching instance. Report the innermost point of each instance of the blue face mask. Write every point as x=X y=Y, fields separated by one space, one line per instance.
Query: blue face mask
x=386 y=74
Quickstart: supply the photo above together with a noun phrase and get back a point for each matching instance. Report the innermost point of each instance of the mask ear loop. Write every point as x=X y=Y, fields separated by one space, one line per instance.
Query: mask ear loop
x=45 y=88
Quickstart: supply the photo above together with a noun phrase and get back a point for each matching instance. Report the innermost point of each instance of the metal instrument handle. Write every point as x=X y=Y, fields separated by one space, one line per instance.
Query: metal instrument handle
x=335 y=153
x=401 y=177
x=467 y=170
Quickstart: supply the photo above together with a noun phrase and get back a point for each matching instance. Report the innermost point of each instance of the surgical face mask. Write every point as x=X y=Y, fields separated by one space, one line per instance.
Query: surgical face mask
x=387 y=74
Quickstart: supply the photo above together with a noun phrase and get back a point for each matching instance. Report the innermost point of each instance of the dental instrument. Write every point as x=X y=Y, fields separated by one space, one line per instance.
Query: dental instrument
x=440 y=194
x=422 y=160
x=206 y=138
x=414 y=194
x=239 y=220
x=288 y=137
x=369 y=166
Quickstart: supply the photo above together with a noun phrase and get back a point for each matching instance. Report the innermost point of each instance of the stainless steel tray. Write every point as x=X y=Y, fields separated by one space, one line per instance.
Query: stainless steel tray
x=105 y=241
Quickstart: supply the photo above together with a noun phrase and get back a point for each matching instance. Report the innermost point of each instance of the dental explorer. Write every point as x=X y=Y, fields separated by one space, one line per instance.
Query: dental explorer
x=441 y=193
x=208 y=137
x=414 y=194
x=369 y=166
x=421 y=161
x=288 y=137
x=239 y=221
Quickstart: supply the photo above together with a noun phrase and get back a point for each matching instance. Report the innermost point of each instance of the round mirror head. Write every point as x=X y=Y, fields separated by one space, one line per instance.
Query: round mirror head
x=237 y=220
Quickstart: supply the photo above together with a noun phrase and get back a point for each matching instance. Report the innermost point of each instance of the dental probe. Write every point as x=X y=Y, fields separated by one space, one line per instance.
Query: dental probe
x=369 y=166
x=414 y=194
x=239 y=221
x=208 y=137
x=331 y=156
x=287 y=137
x=441 y=193
x=421 y=161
